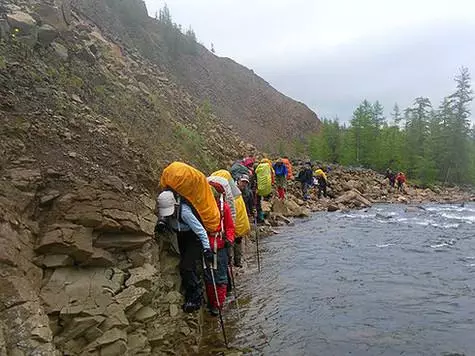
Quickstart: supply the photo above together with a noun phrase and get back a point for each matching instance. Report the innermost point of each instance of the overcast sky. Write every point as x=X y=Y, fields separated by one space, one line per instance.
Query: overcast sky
x=332 y=54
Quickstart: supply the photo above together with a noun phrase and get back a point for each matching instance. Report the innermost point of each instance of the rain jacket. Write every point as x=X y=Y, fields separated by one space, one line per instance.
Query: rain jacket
x=227 y=230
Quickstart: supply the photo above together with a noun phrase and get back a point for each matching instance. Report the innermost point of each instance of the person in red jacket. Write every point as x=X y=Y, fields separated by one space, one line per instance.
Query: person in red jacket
x=219 y=241
x=401 y=180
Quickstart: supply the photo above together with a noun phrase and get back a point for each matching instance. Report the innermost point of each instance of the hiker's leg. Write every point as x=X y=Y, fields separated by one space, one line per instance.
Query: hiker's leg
x=190 y=253
x=238 y=251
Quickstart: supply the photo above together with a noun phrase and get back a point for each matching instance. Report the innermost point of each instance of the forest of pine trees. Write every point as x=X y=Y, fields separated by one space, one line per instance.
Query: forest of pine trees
x=431 y=144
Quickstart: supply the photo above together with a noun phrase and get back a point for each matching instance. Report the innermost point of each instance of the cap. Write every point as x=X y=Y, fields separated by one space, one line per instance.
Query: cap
x=244 y=177
x=166 y=203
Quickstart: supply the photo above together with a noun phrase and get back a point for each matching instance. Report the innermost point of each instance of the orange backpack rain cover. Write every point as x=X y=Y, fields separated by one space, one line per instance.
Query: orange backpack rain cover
x=192 y=185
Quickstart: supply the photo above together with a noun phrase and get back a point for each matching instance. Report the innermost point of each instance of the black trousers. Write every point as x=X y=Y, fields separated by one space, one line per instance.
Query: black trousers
x=190 y=258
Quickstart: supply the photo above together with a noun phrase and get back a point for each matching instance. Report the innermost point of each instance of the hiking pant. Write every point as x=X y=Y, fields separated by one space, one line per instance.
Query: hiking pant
x=281 y=193
x=190 y=256
x=237 y=251
x=322 y=189
x=305 y=187
x=260 y=214
x=220 y=277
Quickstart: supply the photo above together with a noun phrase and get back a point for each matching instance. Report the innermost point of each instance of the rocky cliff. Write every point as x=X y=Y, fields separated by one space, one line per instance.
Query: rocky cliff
x=86 y=126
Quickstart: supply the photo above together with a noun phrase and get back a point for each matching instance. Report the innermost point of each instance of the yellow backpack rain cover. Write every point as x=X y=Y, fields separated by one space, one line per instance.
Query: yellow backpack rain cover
x=191 y=184
x=264 y=179
x=242 y=224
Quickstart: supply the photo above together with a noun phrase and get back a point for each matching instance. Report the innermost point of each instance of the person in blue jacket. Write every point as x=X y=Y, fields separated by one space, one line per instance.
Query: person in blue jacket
x=178 y=215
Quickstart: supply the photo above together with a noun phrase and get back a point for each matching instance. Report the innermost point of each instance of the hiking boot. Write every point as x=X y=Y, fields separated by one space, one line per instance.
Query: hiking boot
x=214 y=311
x=190 y=307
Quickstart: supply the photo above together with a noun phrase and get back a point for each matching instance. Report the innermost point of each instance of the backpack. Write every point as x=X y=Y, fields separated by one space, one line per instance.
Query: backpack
x=192 y=185
x=280 y=169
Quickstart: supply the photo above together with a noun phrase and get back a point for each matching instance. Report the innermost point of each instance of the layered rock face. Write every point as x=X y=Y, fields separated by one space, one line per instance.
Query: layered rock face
x=81 y=273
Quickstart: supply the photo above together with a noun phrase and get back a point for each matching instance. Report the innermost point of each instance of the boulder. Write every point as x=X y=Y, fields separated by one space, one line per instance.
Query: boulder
x=353 y=196
x=51 y=14
x=47 y=34
x=22 y=24
x=332 y=207
x=60 y=50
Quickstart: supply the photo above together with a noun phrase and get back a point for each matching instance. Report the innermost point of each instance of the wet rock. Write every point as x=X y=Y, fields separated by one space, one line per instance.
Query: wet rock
x=47 y=34
x=333 y=207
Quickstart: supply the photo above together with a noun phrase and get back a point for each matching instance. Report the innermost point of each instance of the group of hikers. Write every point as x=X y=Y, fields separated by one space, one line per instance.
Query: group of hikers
x=399 y=179
x=212 y=215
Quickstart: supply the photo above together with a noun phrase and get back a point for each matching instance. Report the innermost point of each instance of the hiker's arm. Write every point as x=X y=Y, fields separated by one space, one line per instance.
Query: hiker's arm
x=190 y=219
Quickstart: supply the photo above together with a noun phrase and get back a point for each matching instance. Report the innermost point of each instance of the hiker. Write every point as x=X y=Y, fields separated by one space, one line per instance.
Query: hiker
x=305 y=177
x=401 y=180
x=281 y=172
x=391 y=176
x=219 y=242
x=322 y=183
x=288 y=165
x=243 y=185
x=176 y=214
x=263 y=180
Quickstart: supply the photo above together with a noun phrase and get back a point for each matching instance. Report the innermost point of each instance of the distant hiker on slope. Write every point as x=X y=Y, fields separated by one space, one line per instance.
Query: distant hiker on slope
x=281 y=172
x=305 y=177
x=219 y=242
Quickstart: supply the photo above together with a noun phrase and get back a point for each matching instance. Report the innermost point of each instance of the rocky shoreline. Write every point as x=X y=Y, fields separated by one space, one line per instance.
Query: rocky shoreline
x=356 y=189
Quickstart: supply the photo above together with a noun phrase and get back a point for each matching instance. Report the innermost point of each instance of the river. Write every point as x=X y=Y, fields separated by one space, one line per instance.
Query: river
x=383 y=281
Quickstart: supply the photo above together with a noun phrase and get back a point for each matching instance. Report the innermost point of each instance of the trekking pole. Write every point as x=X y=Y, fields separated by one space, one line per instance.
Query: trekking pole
x=219 y=307
x=231 y=273
x=257 y=244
